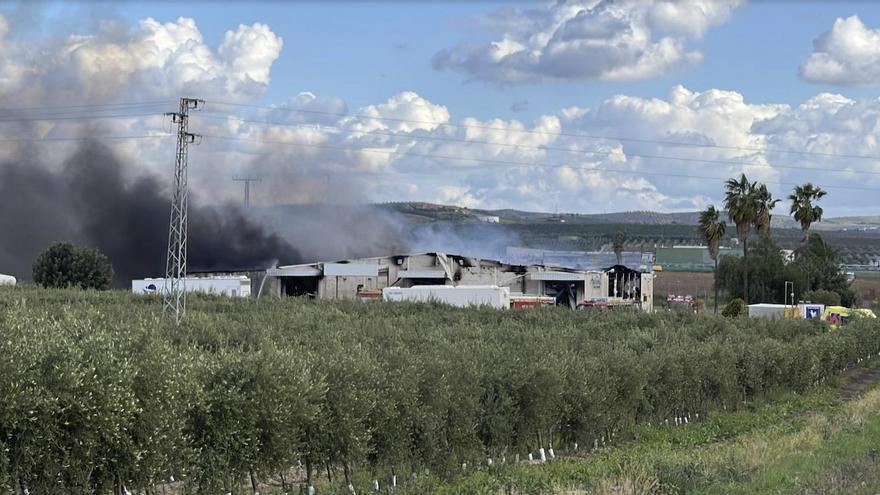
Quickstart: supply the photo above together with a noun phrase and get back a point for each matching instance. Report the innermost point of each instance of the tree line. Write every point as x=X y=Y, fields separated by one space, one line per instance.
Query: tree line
x=749 y=205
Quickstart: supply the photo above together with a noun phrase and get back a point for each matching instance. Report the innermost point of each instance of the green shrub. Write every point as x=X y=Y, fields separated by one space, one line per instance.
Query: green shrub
x=734 y=308
x=64 y=265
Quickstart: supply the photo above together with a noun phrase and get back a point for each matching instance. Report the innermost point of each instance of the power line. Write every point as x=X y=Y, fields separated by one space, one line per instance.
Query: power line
x=92 y=105
x=509 y=163
x=540 y=148
x=548 y=133
x=154 y=110
x=90 y=138
x=78 y=117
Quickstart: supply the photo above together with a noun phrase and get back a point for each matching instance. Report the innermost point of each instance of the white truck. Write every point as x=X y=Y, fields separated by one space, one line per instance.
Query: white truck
x=462 y=295
x=7 y=279
x=229 y=286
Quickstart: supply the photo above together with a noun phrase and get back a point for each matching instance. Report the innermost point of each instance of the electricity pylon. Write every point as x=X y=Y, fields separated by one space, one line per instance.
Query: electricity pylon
x=247 y=187
x=174 y=296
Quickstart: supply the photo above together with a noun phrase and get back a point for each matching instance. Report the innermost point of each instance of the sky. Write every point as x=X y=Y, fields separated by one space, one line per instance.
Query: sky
x=585 y=106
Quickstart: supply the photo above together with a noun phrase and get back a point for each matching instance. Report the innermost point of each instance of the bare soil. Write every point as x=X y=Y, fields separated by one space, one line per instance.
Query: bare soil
x=857 y=381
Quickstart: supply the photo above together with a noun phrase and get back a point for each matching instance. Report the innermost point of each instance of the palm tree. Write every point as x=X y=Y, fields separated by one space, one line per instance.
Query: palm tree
x=712 y=228
x=802 y=207
x=804 y=211
x=765 y=203
x=742 y=209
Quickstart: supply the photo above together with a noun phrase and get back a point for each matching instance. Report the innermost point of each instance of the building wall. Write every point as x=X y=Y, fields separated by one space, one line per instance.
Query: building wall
x=457 y=271
x=648 y=292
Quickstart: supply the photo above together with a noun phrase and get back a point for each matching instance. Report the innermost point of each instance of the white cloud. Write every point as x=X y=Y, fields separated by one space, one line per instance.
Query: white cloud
x=457 y=195
x=410 y=110
x=153 y=59
x=671 y=145
x=849 y=54
x=604 y=40
x=407 y=147
x=830 y=124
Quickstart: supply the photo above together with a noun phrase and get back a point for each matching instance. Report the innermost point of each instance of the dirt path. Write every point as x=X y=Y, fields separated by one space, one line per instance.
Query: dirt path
x=857 y=381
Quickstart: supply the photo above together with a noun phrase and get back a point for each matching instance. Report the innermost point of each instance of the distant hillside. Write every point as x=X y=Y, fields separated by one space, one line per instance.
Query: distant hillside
x=419 y=211
x=373 y=230
x=431 y=211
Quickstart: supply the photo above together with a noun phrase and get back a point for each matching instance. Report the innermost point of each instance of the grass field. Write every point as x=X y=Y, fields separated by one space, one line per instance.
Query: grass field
x=103 y=395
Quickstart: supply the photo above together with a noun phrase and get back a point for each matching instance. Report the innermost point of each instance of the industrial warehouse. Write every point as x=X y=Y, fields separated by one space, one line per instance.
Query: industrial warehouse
x=617 y=284
x=629 y=283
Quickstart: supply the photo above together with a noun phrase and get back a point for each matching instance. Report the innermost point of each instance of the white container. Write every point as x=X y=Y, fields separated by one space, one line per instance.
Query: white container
x=461 y=296
x=229 y=286
x=767 y=310
x=7 y=279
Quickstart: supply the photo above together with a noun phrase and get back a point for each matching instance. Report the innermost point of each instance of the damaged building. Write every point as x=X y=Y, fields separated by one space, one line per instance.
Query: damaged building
x=365 y=277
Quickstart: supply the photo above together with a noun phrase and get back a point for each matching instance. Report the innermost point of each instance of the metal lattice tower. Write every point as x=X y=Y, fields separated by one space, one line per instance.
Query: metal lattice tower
x=247 y=188
x=174 y=296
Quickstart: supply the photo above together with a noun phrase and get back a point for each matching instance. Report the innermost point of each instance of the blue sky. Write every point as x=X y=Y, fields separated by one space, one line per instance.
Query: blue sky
x=367 y=51
x=743 y=76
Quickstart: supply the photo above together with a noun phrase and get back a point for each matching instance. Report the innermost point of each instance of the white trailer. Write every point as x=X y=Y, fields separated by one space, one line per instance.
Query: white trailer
x=7 y=279
x=229 y=286
x=462 y=295
x=806 y=311
x=765 y=310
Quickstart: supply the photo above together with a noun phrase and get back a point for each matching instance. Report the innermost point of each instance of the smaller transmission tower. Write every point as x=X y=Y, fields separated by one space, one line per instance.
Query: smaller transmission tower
x=247 y=188
x=174 y=296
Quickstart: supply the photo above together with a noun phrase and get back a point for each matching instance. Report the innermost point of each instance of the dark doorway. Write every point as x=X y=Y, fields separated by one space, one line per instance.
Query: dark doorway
x=299 y=286
x=564 y=292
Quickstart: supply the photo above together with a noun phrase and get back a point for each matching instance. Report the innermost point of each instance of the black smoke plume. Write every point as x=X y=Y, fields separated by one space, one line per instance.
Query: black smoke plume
x=91 y=201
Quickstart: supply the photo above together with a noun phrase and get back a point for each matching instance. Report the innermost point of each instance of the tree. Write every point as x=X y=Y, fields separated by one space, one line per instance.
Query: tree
x=823 y=262
x=765 y=204
x=63 y=265
x=742 y=209
x=822 y=296
x=768 y=273
x=619 y=241
x=804 y=211
x=713 y=228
